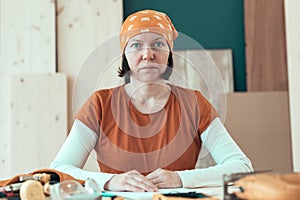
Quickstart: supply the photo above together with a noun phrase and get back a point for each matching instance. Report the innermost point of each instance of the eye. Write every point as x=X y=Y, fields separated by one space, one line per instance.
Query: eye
x=135 y=45
x=158 y=45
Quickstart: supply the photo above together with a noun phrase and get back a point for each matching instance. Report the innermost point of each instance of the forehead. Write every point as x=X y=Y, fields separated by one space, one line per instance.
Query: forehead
x=147 y=37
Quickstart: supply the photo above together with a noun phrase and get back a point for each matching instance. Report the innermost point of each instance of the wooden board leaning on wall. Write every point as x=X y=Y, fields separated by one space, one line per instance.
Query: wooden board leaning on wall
x=27 y=42
x=81 y=27
x=39 y=120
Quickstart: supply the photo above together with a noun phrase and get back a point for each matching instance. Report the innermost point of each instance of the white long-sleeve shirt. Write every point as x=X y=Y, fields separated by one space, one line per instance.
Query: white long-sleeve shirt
x=216 y=140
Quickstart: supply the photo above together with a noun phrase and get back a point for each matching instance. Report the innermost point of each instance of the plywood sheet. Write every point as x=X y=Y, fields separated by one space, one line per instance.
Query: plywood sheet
x=223 y=60
x=81 y=26
x=39 y=120
x=27 y=45
x=260 y=124
x=265 y=45
x=200 y=68
x=292 y=16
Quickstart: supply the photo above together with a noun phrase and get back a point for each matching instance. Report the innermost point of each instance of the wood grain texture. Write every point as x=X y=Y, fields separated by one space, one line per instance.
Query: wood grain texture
x=82 y=25
x=292 y=16
x=39 y=120
x=197 y=66
x=266 y=63
x=27 y=42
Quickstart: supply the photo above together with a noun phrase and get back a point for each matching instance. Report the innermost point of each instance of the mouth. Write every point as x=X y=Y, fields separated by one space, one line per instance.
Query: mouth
x=147 y=67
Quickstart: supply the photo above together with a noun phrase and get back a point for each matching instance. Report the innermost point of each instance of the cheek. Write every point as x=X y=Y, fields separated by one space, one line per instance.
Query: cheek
x=164 y=59
x=131 y=60
x=166 y=55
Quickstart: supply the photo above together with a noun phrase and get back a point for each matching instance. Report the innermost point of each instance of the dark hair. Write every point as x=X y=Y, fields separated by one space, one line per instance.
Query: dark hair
x=124 y=70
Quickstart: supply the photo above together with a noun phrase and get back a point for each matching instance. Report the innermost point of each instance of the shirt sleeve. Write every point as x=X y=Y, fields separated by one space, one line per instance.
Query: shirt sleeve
x=74 y=153
x=228 y=156
x=90 y=112
x=207 y=112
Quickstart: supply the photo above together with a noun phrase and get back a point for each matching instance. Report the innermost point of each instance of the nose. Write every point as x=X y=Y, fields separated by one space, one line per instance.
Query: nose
x=148 y=54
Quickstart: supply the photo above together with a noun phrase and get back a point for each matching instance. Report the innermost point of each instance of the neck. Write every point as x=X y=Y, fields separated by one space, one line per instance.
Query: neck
x=142 y=92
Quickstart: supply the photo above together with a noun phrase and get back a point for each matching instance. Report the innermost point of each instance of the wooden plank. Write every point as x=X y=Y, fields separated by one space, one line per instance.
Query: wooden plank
x=200 y=65
x=81 y=26
x=292 y=16
x=39 y=120
x=265 y=45
x=28 y=36
x=27 y=45
x=223 y=60
x=260 y=124
x=210 y=71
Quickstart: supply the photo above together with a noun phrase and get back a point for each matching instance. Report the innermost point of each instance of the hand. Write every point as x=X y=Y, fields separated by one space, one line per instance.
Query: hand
x=165 y=179
x=130 y=181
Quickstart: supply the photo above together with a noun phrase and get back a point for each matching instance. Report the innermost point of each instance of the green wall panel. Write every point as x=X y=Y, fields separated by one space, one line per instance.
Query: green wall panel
x=215 y=24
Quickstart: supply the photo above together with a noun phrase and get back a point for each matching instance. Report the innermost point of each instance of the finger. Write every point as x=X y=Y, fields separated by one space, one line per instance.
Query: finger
x=151 y=175
x=142 y=178
x=142 y=181
x=163 y=185
x=156 y=181
x=133 y=188
x=145 y=181
x=154 y=174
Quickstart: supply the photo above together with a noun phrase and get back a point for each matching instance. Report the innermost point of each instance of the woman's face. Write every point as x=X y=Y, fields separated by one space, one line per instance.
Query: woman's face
x=147 y=55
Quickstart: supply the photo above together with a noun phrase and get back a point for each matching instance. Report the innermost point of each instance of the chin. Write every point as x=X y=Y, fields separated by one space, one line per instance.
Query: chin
x=150 y=79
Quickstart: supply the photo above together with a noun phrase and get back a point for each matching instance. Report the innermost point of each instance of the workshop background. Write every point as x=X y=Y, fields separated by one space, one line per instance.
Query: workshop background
x=43 y=44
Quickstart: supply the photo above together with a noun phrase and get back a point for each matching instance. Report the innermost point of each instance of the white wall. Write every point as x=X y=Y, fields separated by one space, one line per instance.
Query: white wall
x=292 y=16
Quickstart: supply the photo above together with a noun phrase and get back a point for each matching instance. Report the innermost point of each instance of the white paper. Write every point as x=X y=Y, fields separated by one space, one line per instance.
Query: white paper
x=149 y=195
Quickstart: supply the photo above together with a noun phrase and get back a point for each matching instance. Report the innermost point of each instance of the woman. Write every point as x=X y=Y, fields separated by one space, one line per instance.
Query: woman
x=147 y=133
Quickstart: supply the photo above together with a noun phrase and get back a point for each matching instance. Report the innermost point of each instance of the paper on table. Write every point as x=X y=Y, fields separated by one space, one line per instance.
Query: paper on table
x=149 y=195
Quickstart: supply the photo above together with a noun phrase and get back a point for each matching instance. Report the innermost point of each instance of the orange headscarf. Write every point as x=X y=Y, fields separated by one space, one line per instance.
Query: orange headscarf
x=147 y=21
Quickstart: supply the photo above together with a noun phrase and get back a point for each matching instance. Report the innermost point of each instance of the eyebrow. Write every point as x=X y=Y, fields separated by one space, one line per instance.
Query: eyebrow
x=137 y=40
x=159 y=38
